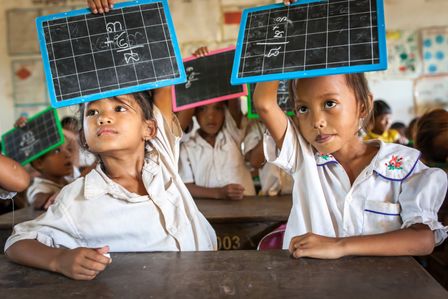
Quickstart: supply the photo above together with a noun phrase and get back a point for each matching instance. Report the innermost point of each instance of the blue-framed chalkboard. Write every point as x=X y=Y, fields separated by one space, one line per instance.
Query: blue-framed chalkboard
x=89 y=57
x=310 y=38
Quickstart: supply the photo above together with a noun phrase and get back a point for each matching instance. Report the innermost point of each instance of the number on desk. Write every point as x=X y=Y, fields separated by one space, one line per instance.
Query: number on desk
x=228 y=242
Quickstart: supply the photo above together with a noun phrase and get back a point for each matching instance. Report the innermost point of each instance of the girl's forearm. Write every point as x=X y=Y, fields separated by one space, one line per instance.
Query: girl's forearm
x=416 y=240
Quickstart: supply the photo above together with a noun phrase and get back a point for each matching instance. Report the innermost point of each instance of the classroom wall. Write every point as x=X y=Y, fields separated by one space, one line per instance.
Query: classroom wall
x=198 y=22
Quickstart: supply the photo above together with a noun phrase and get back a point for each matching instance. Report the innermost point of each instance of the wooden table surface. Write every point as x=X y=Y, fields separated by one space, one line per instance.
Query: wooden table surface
x=230 y=274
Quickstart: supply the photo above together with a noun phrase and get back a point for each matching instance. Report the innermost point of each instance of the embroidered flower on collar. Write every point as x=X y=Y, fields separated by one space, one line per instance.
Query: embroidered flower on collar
x=326 y=157
x=395 y=163
x=323 y=159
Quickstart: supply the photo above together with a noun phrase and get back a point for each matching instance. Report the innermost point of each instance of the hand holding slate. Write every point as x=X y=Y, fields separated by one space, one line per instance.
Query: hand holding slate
x=288 y=2
x=100 y=5
x=201 y=52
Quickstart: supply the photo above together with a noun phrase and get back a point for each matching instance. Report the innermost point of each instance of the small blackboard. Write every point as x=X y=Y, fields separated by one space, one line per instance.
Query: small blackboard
x=310 y=38
x=283 y=100
x=89 y=57
x=208 y=80
x=41 y=134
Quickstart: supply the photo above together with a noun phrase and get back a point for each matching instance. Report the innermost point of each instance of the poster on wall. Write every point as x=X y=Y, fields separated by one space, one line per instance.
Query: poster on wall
x=430 y=92
x=28 y=82
x=435 y=50
x=403 y=54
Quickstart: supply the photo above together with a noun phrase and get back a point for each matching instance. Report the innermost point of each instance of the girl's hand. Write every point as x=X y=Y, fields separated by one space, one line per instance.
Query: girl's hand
x=100 y=6
x=21 y=122
x=82 y=263
x=201 y=52
x=316 y=246
x=288 y=2
x=231 y=191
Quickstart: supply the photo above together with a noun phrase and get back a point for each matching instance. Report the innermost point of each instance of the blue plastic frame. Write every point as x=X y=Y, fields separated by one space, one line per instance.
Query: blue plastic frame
x=382 y=65
x=111 y=93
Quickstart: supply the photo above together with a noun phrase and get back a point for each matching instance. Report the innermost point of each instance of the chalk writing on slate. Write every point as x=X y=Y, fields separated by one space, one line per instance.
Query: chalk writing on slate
x=310 y=38
x=88 y=57
x=208 y=81
x=41 y=134
x=284 y=101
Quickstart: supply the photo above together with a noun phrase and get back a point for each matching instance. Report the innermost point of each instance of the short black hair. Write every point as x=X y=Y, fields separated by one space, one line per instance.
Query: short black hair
x=398 y=126
x=380 y=107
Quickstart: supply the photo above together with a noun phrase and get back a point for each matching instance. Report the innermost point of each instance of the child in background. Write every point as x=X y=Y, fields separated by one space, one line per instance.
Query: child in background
x=401 y=129
x=55 y=169
x=410 y=132
x=211 y=163
x=431 y=138
x=83 y=160
x=349 y=197
x=274 y=181
x=380 y=126
x=133 y=201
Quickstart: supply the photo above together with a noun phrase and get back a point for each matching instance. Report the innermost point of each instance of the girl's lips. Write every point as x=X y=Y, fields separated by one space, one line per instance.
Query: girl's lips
x=323 y=138
x=105 y=131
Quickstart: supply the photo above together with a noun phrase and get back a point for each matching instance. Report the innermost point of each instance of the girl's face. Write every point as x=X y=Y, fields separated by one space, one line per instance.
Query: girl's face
x=211 y=117
x=116 y=124
x=328 y=113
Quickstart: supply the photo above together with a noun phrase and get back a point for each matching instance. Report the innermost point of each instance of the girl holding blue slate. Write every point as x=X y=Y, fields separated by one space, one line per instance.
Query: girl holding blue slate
x=133 y=201
x=349 y=197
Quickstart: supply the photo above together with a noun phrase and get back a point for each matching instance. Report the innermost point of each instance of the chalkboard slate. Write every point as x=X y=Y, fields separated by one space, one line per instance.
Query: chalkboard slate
x=283 y=100
x=208 y=81
x=41 y=134
x=88 y=57
x=310 y=38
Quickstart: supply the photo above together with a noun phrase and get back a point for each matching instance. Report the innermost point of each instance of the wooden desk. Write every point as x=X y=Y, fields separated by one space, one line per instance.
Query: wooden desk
x=224 y=274
x=242 y=224
x=238 y=224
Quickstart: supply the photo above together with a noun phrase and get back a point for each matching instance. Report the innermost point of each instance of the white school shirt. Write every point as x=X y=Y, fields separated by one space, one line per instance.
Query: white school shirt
x=6 y=194
x=95 y=211
x=395 y=191
x=217 y=166
x=273 y=179
x=41 y=185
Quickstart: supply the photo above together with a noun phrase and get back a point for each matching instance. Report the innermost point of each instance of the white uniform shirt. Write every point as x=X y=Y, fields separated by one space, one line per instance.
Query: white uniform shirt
x=273 y=179
x=217 y=166
x=6 y=194
x=95 y=211
x=395 y=191
x=41 y=185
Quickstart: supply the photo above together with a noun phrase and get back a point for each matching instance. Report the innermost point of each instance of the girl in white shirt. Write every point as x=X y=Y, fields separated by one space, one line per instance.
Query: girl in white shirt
x=133 y=201
x=274 y=180
x=349 y=197
x=211 y=163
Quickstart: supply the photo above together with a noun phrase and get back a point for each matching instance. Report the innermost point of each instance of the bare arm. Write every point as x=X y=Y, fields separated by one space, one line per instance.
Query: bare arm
x=79 y=263
x=256 y=156
x=13 y=177
x=235 y=111
x=162 y=99
x=265 y=101
x=415 y=240
x=185 y=118
x=231 y=191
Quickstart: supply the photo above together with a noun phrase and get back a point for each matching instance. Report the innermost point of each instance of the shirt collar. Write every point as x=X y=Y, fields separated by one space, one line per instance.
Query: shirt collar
x=324 y=159
x=393 y=161
x=97 y=183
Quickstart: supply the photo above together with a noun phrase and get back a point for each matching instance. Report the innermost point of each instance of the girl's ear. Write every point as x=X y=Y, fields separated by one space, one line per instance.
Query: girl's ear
x=150 y=129
x=365 y=110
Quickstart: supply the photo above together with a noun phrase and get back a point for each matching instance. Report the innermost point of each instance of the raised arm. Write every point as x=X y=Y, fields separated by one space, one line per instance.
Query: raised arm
x=235 y=111
x=13 y=177
x=162 y=99
x=265 y=102
x=186 y=119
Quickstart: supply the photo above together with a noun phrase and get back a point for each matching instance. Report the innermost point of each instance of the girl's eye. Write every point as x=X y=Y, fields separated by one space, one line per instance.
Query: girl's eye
x=120 y=109
x=302 y=109
x=330 y=104
x=91 y=112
